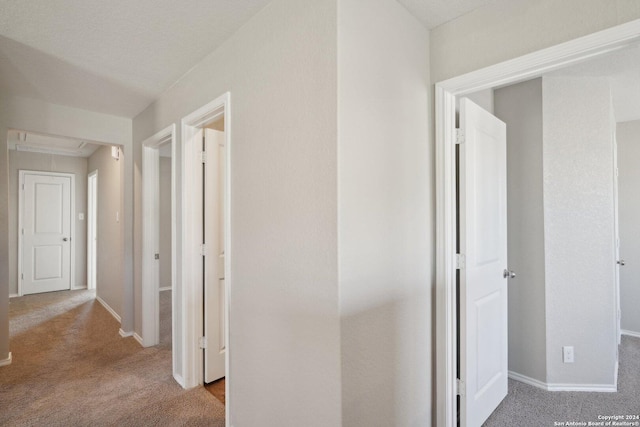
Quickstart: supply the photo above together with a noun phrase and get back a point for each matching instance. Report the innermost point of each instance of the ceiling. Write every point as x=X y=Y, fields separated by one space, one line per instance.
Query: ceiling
x=38 y=143
x=622 y=68
x=118 y=56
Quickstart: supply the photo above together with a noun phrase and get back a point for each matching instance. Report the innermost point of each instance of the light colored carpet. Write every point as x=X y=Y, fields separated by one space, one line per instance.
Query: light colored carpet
x=71 y=368
x=530 y=406
x=165 y=319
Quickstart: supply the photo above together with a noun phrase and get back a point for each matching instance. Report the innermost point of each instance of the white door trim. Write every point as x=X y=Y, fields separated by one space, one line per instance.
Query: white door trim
x=191 y=257
x=150 y=238
x=92 y=229
x=508 y=72
x=72 y=232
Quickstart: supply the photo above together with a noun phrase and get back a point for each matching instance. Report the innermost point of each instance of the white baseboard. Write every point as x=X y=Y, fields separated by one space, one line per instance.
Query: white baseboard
x=165 y=288
x=14 y=295
x=528 y=380
x=124 y=334
x=109 y=309
x=179 y=379
x=138 y=338
x=630 y=333
x=7 y=361
x=78 y=288
x=599 y=388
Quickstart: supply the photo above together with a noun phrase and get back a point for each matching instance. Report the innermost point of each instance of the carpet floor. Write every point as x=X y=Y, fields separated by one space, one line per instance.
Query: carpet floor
x=526 y=405
x=71 y=368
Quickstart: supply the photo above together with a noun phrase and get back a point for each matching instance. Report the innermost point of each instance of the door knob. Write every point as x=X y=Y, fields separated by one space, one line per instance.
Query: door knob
x=621 y=262
x=509 y=274
x=64 y=239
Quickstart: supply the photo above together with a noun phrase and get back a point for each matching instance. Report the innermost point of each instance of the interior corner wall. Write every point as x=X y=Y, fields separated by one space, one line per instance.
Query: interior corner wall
x=281 y=71
x=628 y=137
x=385 y=214
x=42 y=117
x=109 y=265
x=22 y=160
x=504 y=30
x=579 y=229
x=520 y=107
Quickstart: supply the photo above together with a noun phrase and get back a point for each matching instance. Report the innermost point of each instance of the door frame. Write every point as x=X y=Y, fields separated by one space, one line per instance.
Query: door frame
x=72 y=231
x=92 y=230
x=150 y=236
x=509 y=72
x=192 y=295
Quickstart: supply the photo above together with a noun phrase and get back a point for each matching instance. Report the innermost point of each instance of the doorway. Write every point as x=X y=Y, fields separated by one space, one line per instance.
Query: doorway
x=206 y=244
x=92 y=230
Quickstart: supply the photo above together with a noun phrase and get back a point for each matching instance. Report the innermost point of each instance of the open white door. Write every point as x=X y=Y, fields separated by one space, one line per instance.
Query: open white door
x=214 y=288
x=483 y=278
x=45 y=233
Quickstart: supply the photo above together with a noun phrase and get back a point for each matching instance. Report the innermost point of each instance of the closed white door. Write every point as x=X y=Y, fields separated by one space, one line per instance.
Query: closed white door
x=92 y=222
x=46 y=233
x=214 y=287
x=483 y=278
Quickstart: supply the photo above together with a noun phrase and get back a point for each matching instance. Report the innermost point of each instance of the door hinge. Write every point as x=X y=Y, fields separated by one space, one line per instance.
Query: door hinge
x=460 y=261
x=203 y=156
x=203 y=249
x=459 y=136
x=22 y=276
x=157 y=256
x=23 y=231
x=202 y=342
x=460 y=390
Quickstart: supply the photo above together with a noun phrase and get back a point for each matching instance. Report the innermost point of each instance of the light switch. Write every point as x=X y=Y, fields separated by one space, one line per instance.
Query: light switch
x=81 y=217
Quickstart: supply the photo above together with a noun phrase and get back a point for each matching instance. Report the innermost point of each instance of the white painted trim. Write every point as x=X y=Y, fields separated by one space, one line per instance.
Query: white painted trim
x=13 y=295
x=599 y=388
x=191 y=288
x=164 y=288
x=7 y=361
x=528 y=380
x=508 y=72
x=72 y=231
x=78 y=288
x=179 y=379
x=150 y=233
x=92 y=231
x=138 y=338
x=124 y=334
x=109 y=309
x=630 y=333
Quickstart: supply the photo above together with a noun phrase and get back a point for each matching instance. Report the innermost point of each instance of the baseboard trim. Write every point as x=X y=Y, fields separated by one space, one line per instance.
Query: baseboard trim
x=528 y=380
x=124 y=334
x=79 y=288
x=14 y=295
x=630 y=333
x=599 y=388
x=109 y=309
x=165 y=288
x=7 y=361
x=138 y=338
x=179 y=379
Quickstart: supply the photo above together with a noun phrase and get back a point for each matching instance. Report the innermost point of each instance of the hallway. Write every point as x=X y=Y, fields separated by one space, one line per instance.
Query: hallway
x=71 y=367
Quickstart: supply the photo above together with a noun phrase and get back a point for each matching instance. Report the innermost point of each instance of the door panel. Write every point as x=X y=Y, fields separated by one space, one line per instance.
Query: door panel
x=483 y=241
x=214 y=291
x=46 y=235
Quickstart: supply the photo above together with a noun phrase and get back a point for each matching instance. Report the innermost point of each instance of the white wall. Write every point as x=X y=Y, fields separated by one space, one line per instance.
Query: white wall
x=109 y=234
x=508 y=29
x=520 y=107
x=281 y=71
x=579 y=229
x=165 y=221
x=42 y=117
x=21 y=160
x=385 y=211
x=628 y=136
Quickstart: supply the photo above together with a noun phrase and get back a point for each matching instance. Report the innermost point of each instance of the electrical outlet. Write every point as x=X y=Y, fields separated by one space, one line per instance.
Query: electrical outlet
x=567 y=354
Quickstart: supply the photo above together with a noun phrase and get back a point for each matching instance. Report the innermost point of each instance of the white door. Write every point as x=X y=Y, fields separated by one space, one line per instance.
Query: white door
x=214 y=290
x=92 y=222
x=616 y=229
x=483 y=285
x=46 y=233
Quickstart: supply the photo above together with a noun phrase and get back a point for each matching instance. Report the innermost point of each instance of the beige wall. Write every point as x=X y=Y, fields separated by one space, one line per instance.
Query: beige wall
x=165 y=222
x=520 y=107
x=628 y=136
x=21 y=160
x=109 y=236
x=281 y=71
x=42 y=117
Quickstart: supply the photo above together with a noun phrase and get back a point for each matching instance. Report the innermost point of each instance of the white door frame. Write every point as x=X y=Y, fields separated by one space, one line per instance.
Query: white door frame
x=508 y=72
x=150 y=236
x=191 y=258
x=92 y=228
x=72 y=231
